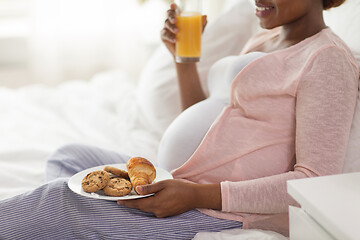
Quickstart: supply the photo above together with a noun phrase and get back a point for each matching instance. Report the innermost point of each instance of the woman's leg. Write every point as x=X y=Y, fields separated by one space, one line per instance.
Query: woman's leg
x=73 y=158
x=53 y=211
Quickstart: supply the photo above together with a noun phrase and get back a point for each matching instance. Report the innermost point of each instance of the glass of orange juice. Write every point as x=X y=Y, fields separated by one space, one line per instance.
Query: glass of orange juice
x=189 y=23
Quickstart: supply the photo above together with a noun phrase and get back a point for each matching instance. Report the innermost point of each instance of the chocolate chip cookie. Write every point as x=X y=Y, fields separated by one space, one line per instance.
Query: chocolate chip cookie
x=95 y=181
x=118 y=187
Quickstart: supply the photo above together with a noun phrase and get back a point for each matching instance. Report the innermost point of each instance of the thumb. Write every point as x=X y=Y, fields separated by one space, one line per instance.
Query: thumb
x=148 y=189
x=173 y=6
x=204 y=21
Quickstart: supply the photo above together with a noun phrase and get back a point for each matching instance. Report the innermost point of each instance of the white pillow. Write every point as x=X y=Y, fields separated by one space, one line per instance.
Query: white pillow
x=158 y=94
x=345 y=22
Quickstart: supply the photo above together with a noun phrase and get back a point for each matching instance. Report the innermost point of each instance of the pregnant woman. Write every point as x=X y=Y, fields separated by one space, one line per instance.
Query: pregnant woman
x=292 y=95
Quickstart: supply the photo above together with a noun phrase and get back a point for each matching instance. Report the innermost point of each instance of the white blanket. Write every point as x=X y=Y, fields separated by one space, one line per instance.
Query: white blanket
x=35 y=120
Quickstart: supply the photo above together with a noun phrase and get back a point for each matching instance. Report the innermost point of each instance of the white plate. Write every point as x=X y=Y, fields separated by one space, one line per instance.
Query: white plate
x=75 y=183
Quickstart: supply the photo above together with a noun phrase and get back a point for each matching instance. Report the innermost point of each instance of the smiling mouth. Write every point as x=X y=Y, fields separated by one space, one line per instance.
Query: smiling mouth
x=263 y=8
x=263 y=11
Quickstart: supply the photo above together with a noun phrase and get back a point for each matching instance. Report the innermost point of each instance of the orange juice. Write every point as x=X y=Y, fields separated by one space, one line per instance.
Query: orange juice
x=188 y=39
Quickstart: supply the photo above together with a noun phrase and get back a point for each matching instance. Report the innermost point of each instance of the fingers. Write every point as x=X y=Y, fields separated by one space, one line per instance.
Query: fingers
x=144 y=204
x=173 y=6
x=167 y=36
x=171 y=198
x=171 y=16
x=204 y=21
x=170 y=26
x=148 y=204
x=150 y=188
x=168 y=33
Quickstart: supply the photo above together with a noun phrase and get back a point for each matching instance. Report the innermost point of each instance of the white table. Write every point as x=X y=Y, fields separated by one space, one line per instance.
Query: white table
x=330 y=208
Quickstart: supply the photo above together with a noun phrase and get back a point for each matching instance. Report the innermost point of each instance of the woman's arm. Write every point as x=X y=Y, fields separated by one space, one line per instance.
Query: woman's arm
x=188 y=77
x=325 y=105
x=189 y=84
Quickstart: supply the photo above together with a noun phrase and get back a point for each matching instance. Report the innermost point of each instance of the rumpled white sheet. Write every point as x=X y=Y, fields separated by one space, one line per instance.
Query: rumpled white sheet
x=35 y=120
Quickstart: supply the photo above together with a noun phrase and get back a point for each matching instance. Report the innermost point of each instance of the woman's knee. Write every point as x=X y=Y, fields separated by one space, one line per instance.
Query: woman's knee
x=64 y=152
x=72 y=158
x=73 y=152
x=65 y=160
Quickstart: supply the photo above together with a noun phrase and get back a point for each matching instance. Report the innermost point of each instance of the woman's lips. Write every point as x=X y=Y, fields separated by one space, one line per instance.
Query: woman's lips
x=263 y=11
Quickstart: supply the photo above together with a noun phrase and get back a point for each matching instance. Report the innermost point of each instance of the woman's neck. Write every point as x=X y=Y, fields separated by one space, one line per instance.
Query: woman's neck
x=302 y=28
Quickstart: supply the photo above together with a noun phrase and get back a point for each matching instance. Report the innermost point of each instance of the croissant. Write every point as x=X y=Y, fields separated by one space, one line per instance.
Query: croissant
x=141 y=171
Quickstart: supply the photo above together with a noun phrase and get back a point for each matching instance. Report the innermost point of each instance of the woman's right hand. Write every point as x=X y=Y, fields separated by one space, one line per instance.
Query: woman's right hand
x=168 y=33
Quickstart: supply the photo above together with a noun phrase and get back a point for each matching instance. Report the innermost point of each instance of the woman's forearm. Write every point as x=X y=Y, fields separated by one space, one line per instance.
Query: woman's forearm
x=189 y=84
x=208 y=196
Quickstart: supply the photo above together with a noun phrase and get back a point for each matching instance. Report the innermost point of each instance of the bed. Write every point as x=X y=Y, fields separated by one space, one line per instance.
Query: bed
x=115 y=112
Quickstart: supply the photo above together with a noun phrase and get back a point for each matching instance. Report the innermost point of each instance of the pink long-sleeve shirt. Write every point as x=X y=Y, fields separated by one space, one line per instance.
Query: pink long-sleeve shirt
x=289 y=117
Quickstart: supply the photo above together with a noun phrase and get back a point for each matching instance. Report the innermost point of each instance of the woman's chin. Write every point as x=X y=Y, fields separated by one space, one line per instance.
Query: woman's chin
x=267 y=25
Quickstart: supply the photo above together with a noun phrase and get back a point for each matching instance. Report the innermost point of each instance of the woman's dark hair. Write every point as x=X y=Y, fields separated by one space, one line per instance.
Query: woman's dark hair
x=332 y=3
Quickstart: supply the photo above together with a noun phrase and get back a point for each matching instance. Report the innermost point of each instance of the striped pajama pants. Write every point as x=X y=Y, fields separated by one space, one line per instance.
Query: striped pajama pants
x=53 y=211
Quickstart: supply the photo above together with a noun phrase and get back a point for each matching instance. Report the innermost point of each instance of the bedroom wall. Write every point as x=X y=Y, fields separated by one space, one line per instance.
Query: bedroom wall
x=51 y=41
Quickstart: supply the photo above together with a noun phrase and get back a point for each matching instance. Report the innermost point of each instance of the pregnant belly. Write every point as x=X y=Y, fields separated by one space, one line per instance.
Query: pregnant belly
x=186 y=132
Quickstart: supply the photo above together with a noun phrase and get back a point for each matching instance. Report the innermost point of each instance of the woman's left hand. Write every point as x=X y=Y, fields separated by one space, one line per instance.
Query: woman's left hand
x=172 y=197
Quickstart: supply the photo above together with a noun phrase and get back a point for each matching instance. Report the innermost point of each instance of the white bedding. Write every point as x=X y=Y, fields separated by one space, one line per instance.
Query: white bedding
x=36 y=120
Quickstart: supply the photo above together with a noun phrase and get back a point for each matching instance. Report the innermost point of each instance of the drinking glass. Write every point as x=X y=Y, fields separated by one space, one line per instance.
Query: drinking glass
x=189 y=23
